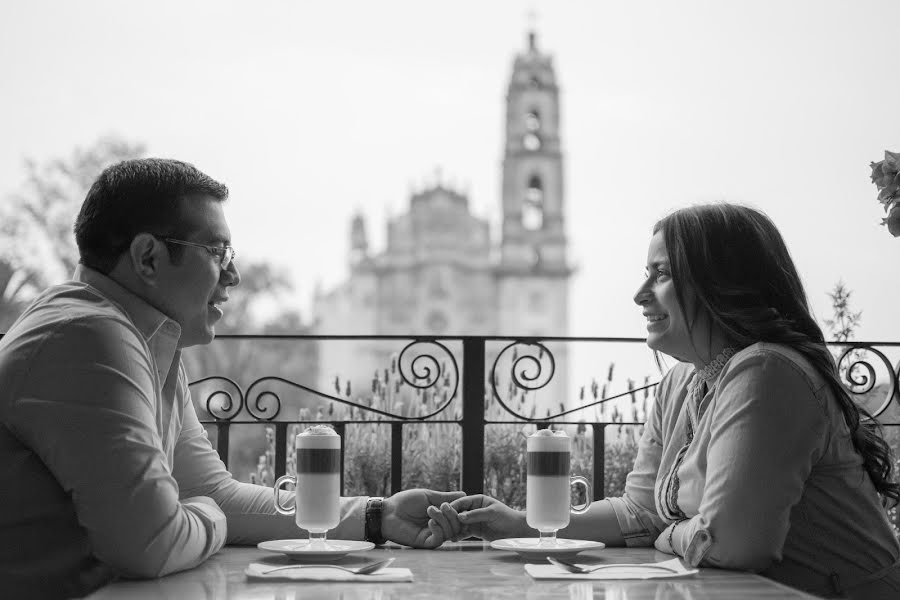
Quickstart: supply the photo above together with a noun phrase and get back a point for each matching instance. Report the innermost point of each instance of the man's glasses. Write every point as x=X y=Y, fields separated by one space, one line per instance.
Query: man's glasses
x=225 y=254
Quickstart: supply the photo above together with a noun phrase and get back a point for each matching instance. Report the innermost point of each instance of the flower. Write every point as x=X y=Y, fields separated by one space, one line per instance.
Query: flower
x=886 y=177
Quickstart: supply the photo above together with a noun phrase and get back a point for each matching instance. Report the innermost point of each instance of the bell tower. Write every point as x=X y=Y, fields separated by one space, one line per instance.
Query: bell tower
x=533 y=233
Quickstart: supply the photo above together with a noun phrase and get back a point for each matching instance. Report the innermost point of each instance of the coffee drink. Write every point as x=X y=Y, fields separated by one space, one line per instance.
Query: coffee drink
x=548 y=491
x=547 y=485
x=317 y=482
x=318 y=478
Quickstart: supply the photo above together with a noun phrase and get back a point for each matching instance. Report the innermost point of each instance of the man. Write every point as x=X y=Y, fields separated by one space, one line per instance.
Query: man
x=105 y=467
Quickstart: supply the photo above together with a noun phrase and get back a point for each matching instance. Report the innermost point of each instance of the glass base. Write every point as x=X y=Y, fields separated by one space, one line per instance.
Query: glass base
x=318 y=541
x=548 y=538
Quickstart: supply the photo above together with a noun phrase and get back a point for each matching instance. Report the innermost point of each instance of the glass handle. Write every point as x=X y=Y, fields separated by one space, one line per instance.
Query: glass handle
x=277 y=487
x=579 y=480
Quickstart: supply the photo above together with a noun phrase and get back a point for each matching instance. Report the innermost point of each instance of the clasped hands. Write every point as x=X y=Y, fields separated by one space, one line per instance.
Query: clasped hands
x=427 y=518
x=479 y=516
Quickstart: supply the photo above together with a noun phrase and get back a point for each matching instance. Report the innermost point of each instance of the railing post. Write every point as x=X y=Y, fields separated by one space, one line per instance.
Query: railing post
x=599 y=430
x=396 y=457
x=280 y=449
x=473 y=415
x=341 y=430
x=222 y=428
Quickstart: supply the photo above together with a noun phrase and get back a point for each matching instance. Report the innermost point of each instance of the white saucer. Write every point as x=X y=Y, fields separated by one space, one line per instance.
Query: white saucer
x=532 y=548
x=300 y=550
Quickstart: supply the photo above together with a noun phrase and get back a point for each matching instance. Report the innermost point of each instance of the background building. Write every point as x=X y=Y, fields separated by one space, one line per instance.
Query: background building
x=441 y=273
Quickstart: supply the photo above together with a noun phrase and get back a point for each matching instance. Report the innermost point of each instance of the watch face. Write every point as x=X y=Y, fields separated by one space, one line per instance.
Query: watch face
x=531 y=142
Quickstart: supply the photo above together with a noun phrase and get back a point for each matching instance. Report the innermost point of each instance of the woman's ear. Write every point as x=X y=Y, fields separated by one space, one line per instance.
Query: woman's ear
x=145 y=255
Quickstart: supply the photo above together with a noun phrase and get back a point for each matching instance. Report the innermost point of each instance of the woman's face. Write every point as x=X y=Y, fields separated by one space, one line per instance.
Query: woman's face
x=667 y=330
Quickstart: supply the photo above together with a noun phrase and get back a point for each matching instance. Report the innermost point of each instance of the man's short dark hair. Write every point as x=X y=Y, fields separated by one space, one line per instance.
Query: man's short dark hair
x=137 y=196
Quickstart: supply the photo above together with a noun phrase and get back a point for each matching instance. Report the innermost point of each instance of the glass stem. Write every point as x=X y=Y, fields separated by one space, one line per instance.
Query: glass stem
x=548 y=538
x=317 y=538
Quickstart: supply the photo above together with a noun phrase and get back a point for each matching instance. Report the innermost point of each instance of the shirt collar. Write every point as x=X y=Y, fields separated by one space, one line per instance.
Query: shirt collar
x=160 y=332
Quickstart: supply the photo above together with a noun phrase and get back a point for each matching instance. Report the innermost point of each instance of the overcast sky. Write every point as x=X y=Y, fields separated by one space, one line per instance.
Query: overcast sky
x=312 y=110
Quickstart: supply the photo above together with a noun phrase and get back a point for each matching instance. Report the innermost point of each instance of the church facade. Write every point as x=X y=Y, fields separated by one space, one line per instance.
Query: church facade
x=441 y=273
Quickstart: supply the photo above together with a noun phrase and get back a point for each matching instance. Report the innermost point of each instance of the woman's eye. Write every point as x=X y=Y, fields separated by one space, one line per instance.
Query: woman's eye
x=662 y=273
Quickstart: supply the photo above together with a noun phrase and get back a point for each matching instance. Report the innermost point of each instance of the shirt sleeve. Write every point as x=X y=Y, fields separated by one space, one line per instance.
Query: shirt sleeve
x=88 y=409
x=636 y=509
x=768 y=430
x=249 y=508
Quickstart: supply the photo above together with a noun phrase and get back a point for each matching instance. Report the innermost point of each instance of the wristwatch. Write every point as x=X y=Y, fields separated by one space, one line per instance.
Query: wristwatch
x=374 y=508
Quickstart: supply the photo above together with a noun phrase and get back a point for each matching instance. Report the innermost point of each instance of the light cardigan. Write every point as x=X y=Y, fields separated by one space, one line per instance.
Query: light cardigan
x=770 y=481
x=105 y=467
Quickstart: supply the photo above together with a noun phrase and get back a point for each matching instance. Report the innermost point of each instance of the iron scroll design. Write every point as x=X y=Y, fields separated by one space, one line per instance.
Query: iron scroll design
x=849 y=363
x=526 y=372
x=533 y=367
x=230 y=409
x=420 y=372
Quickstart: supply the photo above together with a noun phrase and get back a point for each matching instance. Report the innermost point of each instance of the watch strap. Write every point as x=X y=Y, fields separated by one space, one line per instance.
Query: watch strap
x=374 y=510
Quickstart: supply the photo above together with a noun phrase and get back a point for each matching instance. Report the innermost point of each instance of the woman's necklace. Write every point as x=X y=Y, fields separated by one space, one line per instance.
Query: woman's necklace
x=703 y=378
x=711 y=370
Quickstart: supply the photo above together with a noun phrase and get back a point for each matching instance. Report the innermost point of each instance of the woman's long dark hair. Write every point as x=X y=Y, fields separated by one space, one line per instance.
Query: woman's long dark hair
x=733 y=260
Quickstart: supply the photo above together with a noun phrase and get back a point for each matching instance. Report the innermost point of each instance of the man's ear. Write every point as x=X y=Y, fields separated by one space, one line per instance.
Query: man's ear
x=146 y=254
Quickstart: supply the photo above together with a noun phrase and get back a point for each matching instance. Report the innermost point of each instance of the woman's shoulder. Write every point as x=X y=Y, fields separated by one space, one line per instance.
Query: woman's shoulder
x=778 y=360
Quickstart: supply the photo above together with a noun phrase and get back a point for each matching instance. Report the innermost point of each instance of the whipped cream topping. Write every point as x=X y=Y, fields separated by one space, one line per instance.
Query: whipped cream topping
x=549 y=433
x=319 y=430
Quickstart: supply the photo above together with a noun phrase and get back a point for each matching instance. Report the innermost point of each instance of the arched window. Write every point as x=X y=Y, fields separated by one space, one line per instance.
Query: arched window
x=532 y=120
x=533 y=204
x=531 y=142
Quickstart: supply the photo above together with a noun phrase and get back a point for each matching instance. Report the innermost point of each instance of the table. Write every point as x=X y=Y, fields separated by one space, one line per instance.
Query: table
x=470 y=569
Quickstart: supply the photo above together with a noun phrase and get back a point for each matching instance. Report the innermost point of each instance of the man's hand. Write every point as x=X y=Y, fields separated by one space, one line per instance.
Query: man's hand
x=481 y=516
x=404 y=519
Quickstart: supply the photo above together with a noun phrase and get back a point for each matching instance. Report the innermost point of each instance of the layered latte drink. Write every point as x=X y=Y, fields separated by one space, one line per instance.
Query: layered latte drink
x=318 y=479
x=547 y=486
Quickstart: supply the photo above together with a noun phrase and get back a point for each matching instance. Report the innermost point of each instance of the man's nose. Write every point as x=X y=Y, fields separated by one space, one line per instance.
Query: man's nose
x=231 y=276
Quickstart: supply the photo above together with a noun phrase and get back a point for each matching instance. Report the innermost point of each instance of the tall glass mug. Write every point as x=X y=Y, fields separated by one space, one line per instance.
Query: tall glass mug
x=548 y=500
x=317 y=483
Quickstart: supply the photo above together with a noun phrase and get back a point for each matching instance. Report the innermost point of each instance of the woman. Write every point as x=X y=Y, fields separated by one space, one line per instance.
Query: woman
x=754 y=456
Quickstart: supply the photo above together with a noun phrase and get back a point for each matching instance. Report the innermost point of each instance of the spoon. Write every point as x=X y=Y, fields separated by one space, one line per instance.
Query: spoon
x=573 y=568
x=363 y=570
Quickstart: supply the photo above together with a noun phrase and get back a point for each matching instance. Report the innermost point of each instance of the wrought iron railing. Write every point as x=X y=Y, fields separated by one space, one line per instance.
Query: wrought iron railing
x=533 y=366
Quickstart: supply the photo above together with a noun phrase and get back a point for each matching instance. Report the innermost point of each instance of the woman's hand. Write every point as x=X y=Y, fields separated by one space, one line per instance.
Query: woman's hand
x=662 y=542
x=479 y=516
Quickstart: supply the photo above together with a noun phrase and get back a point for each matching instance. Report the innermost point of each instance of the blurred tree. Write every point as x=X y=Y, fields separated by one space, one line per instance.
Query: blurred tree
x=37 y=247
x=845 y=321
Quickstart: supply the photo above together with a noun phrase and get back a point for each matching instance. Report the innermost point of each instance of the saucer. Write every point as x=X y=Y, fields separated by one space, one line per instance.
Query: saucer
x=532 y=548
x=301 y=550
